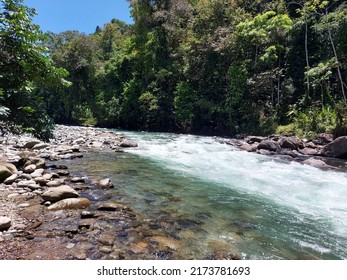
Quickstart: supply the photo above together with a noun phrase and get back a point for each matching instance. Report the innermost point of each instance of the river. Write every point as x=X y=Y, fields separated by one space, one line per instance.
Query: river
x=211 y=195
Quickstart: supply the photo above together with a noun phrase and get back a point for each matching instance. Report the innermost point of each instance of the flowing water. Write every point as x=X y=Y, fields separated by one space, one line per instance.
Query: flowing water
x=216 y=197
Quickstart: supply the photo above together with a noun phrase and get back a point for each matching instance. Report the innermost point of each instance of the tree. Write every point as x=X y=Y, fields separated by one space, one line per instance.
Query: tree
x=24 y=63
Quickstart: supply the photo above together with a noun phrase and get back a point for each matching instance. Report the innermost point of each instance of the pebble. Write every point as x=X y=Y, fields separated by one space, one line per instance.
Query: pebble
x=5 y=223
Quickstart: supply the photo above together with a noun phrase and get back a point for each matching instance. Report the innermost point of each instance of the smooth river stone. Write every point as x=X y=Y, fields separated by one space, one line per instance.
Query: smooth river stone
x=59 y=193
x=70 y=203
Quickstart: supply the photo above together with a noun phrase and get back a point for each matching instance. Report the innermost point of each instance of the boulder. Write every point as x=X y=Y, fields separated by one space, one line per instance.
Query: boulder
x=70 y=203
x=59 y=193
x=128 y=144
x=336 y=149
x=5 y=223
x=292 y=143
x=269 y=145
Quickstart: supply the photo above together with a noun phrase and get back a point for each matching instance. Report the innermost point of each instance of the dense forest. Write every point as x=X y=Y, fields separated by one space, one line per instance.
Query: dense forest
x=226 y=67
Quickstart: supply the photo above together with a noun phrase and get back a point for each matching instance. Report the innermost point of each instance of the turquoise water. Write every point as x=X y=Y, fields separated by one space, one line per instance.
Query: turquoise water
x=211 y=196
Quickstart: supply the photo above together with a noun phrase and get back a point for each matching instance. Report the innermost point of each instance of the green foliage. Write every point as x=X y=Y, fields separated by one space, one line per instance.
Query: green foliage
x=315 y=120
x=212 y=67
x=24 y=64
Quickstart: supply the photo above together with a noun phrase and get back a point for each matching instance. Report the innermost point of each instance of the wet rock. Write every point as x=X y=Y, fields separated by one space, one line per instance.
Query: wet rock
x=269 y=145
x=63 y=172
x=336 y=149
x=248 y=147
x=113 y=206
x=139 y=248
x=292 y=143
x=128 y=144
x=87 y=215
x=316 y=163
x=107 y=239
x=171 y=243
x=77 y=180
x=70 y=203
x=105 y=183
x=5 y=223
x=59 y=193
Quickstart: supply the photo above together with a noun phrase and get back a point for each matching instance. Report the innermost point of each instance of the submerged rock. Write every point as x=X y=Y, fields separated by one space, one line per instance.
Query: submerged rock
x=113 y=206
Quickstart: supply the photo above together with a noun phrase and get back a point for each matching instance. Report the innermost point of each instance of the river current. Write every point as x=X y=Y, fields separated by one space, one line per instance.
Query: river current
x=256 y=206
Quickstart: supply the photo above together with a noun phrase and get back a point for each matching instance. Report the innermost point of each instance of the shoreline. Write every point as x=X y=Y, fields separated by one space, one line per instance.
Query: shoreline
x=48 y=213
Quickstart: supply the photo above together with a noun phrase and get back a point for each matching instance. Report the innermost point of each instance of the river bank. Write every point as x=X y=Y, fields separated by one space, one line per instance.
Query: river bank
x=49 y=212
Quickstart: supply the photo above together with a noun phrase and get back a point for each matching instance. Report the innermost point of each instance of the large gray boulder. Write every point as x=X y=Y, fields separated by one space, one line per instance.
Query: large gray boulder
x=336 y=149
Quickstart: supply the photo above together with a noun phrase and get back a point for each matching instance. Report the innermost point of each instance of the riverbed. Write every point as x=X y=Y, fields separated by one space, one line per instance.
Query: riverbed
x=210 y=195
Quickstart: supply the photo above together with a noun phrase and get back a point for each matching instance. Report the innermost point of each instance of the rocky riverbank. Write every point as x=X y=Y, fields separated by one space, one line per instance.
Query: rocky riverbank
x=48 y=213
x=323 y=152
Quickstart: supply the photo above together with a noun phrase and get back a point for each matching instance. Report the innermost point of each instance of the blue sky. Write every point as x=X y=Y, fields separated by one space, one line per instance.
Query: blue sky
x=81 y=15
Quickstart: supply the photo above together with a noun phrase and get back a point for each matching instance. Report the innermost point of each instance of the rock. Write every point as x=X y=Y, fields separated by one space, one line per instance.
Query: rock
x=4 y=173
x=31 y=143
x=39 y=162
x=40 y=146
x=77 y=180
x=5 y=223
x=30 y=168
x=59 y=193
x=308 y=151
x=107 y=239
x=70 y=203
x=11 y=179
x=336 y=149
x=255 y=139
x=105 y=183
x=316 y=163
x=171 y=243
x=113 y=206
x=248 y=148
x=324 y=138
x=292 y=143
x=128 y=144
x=25 y=183
x=79 y=141
x=269 y=145
x=54 y=183
x=97 y=144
